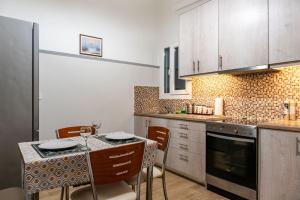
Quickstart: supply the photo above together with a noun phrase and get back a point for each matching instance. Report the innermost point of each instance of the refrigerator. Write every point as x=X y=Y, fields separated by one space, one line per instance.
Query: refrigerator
x=19 y=89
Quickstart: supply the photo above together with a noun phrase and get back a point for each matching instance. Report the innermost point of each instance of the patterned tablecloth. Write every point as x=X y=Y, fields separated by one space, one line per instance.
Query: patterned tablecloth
x=47 y=173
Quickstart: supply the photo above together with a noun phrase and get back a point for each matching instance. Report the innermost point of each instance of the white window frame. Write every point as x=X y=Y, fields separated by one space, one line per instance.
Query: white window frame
x=174 y=94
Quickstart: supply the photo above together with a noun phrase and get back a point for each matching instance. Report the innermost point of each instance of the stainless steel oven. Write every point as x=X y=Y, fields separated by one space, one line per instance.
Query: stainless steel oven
x=231 y=160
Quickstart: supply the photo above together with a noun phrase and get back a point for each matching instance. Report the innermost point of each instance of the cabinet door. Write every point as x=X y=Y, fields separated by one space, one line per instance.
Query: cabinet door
x=279 y=165
x=243 y=33
x=141 y=125
x=206 y=39
x=186 y=43
x=284 y=31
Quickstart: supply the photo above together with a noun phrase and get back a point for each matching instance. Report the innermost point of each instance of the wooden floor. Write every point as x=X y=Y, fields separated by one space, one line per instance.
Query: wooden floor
x=178 y=189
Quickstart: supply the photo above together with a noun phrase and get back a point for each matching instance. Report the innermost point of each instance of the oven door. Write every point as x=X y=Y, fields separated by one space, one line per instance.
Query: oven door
x=231 y=158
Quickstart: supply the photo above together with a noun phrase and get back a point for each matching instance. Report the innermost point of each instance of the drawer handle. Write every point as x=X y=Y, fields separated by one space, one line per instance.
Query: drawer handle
x=183 y=125
x=183 y=146
x=297 y=147
x=183 y=135
x=183 y=158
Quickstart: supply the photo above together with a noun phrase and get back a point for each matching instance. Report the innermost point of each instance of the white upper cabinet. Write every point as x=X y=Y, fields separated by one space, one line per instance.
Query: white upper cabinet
x=284 y=30
x=206 y=40
x=186 y=43
x=243 y=33
x=199 y=40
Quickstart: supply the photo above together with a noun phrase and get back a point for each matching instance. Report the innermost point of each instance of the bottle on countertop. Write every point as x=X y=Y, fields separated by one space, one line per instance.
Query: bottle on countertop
x=292 y=110
x=189 y=108
x=219 y=106
x=286 y=109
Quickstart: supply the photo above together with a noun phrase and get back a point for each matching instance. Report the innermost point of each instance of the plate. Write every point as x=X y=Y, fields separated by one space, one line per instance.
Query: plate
x=58 y=145
x=119 y=136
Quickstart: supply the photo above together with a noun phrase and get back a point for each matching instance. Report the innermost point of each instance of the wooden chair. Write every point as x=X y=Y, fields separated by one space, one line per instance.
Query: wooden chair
x=108 y=168
x=162 y=136
x=12 y=194
x=69 y=132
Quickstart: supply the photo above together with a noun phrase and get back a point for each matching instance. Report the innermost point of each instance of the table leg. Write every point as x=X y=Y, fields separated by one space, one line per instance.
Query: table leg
x=149 y=183
x=67 y=192
x=34 y=196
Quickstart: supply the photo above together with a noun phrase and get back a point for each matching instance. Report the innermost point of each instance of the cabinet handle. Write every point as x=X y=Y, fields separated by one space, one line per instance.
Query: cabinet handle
x=297 y=147
x=146 y=123
x=194 y=66
x=198 y=65
x=220 y=62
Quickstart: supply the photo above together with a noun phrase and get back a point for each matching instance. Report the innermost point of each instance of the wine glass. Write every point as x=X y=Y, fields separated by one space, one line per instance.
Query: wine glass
x=85 y=132
x=97 y=125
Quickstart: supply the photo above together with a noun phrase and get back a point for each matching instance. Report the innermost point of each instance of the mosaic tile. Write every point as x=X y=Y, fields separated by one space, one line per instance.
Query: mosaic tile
x=258 y=95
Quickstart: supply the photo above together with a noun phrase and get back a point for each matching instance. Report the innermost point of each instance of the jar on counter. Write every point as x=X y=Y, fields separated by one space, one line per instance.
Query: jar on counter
x=189 y=108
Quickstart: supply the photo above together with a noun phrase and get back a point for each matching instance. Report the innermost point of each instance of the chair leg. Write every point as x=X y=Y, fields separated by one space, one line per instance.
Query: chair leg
x=133 y=187
x=164 y=186
x=67 y=193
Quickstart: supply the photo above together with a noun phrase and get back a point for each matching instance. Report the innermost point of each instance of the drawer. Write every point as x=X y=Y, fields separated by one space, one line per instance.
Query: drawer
x=180 y=144
x=177 y=160
x=188 y=164
x=188 y=146
x=179 y=124
x=187 y=125
x=196 y=136
x=180 y=133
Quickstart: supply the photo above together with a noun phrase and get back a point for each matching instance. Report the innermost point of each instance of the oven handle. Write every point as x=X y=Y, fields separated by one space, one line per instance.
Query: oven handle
x=231 y=138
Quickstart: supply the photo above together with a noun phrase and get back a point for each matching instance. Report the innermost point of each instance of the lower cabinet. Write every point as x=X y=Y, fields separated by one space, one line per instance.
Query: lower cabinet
x=279 y=165
x=187 y=150
x=186 y=155
x=141 y=125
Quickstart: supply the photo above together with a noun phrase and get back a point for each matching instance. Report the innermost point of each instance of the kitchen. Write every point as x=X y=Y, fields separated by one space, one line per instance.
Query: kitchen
x=222 y=77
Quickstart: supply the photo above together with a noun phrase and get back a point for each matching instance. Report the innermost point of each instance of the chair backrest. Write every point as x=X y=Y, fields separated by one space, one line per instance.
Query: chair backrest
x=73 y=131
x=160 y=135
x=115 y=164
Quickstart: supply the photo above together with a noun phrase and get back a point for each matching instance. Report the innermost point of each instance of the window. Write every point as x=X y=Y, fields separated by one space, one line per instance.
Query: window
x=179 y=84
x=172 y=87
x=167 y=70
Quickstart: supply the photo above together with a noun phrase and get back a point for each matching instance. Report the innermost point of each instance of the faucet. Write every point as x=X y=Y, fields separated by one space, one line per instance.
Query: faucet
x=168 y=109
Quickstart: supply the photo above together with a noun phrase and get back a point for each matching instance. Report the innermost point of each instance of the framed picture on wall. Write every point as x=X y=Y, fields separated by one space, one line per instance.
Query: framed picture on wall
x=90 y=45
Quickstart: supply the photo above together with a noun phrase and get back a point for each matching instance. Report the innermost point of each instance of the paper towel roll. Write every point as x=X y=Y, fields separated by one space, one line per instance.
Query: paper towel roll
x=219 y=106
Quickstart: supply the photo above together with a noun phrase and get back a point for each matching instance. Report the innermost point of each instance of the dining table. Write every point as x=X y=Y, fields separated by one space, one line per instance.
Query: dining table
x=41 y=173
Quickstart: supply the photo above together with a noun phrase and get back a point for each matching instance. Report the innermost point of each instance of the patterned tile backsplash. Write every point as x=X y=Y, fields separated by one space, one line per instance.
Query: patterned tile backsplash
x=257 y=95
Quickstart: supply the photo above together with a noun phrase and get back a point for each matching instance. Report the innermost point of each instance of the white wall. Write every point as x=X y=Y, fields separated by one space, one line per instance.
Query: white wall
x=128 y=27
x=77 y=91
